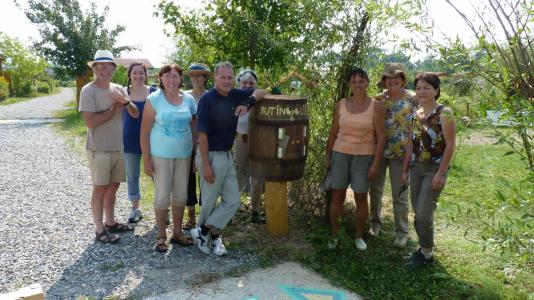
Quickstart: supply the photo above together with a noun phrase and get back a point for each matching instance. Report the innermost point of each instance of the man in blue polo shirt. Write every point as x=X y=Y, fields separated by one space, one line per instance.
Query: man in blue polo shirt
x=218 y=111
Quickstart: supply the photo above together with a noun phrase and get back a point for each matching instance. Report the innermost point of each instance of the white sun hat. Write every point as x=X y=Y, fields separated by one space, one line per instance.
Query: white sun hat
x=102 y=56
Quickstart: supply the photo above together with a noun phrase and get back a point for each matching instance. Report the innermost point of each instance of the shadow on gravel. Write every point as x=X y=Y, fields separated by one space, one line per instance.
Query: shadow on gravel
x=133 y=269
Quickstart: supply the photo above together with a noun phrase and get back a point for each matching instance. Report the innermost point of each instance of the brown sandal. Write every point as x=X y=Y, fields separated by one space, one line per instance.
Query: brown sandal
x=161 y=244
x=105 y=238
x=189 y=225
x=182 y=239
x=118 y=227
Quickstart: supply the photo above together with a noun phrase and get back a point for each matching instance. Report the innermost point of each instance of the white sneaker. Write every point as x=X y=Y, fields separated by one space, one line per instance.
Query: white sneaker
x=218 y=246
x=360 y=244
x=201 y=240
x=400 y=241
x=135 y=215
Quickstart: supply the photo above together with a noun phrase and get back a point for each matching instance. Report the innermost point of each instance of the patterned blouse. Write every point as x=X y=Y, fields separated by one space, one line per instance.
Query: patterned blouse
x=398 y=118
x=428 y=141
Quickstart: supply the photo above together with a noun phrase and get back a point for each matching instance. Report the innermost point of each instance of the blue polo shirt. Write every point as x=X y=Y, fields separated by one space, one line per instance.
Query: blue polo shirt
x=216 y=117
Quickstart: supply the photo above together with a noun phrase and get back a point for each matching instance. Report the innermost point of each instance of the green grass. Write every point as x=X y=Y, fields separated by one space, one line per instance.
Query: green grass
x=12 y=100
x=463 y=270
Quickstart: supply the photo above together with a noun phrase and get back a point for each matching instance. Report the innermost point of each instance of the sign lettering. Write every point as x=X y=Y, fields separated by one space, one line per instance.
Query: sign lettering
x=283 y=112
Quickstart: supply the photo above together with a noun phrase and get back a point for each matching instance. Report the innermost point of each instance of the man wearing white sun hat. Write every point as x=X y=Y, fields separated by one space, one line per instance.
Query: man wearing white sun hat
x=101 y=104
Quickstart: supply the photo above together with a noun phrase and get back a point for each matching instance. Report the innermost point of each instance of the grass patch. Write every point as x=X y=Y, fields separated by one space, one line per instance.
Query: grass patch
x=463 y=270
x=13 y=100
x=112 y=267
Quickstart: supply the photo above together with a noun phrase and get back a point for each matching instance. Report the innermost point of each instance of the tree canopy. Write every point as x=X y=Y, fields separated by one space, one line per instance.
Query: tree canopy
x=23 y=65
x=71 y=36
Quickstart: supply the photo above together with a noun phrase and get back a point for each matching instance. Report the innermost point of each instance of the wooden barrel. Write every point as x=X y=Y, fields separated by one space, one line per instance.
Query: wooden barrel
x=278 y=138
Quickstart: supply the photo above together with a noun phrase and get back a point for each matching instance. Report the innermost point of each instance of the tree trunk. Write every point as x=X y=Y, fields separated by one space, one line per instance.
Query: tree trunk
x=82 y=80
x=351 y=58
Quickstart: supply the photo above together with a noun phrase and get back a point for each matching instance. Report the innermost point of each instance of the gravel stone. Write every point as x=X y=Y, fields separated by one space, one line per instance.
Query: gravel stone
x=47 y=233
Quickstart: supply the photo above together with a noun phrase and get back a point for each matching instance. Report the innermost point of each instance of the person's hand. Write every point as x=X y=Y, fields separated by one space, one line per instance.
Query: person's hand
x=117 y=96
x=438 y=182
x=240 y=110
x=207 y=173
x=373 y=171
x=259 y=94
x=149 y=169
x=405 y=178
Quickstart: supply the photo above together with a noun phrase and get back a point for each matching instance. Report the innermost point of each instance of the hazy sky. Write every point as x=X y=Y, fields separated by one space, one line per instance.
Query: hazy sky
x=146 y=31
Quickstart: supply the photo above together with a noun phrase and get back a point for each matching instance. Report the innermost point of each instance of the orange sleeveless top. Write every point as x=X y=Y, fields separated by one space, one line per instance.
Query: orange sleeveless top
x=356 y=133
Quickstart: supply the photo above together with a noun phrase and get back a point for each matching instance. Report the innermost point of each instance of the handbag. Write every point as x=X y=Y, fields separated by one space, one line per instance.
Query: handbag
x=326 y=182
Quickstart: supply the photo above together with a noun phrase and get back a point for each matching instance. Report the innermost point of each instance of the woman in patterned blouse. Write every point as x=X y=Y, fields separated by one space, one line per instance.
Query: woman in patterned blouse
x=434 y=134
x=399 y=105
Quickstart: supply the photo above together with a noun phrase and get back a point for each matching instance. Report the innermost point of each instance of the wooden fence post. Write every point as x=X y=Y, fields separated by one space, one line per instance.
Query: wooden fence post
x=276 y=207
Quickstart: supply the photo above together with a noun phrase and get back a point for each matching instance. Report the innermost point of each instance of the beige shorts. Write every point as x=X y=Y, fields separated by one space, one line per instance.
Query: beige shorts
x=106 y=167
x=171 y=176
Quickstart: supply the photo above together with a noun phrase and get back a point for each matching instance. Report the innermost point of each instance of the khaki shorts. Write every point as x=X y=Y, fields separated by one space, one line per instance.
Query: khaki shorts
x=171 y=176
x=106 y=167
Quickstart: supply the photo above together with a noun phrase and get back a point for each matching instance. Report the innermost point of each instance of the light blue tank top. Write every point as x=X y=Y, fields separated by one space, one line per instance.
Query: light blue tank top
x=171 y=136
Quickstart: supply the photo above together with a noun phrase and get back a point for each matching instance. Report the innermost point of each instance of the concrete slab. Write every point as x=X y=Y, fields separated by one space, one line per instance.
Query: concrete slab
x=289 y=281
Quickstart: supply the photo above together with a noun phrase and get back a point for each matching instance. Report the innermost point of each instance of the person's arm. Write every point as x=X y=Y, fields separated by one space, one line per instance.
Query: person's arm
x=146 y=126
x=332 y=136
x=132 y=109
x=119 y=95
x=380 y=140
x=203 y=146
x=256 y=96
x=449 y=135
x=194 y=133
x=408 y=151
x=203 y=128
x=94 y=119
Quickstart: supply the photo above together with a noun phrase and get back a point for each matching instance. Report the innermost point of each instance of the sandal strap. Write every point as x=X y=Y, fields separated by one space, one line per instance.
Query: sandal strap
x=118 y=227
x=105 y=237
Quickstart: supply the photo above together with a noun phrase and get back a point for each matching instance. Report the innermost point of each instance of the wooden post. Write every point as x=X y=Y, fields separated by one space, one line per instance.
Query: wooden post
x=276 y=207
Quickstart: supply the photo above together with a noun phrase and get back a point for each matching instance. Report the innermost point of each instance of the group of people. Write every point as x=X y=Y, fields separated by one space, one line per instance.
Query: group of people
x=179 y=133
x=165 y=128
x=411 y=134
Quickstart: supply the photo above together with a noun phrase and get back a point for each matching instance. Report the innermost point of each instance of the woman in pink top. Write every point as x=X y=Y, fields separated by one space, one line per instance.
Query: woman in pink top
x=354 y=152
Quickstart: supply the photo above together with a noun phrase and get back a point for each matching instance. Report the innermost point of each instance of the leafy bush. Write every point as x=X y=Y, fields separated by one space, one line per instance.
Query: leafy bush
x=513 y=233
x=67 y=83
x=120 y=76
x=24 y=88
x=43 y=87
x=4 y=88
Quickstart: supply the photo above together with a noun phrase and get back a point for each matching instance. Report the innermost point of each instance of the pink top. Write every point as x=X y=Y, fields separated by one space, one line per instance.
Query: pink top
x=356 y=134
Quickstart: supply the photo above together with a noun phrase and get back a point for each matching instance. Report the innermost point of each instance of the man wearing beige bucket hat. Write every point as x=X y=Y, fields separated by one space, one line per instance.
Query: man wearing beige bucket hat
x=399 y=105
x=101 y=105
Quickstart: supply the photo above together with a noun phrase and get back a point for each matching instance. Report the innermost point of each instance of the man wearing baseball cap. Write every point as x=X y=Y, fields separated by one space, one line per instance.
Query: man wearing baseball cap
x=101 y=105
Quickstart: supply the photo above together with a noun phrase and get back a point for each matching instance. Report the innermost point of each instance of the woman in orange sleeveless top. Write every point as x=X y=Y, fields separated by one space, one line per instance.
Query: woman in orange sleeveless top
x=354 y=152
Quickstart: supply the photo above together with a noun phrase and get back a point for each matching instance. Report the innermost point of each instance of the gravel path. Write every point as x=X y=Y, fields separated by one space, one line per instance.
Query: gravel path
x=46 y=230
x=42 y=107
